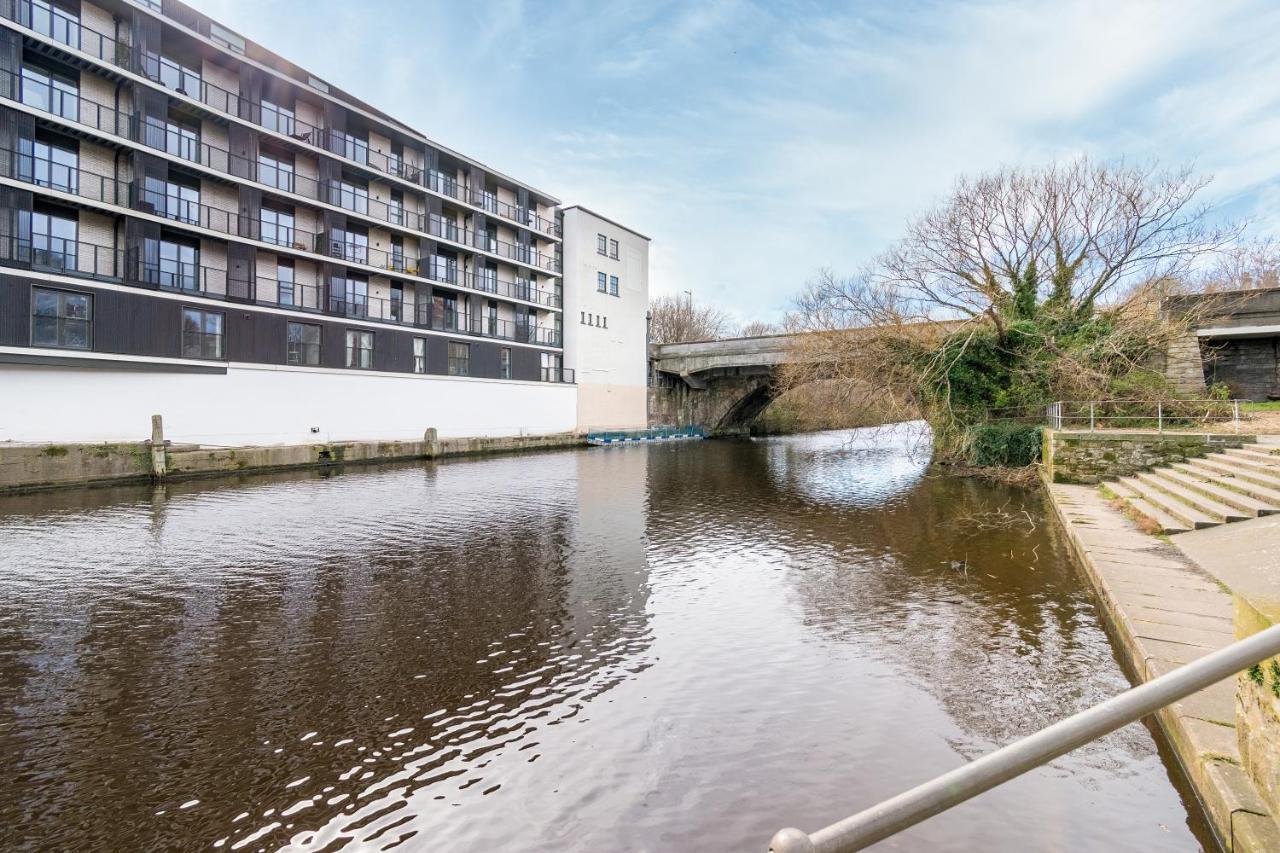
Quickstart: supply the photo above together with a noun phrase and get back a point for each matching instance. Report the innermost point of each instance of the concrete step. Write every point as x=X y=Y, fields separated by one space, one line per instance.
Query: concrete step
x=1217 y=510
x=1254 y=456
x=1167 y=523
x=1229 y=484
x=1241 y=469
x=1209 y=488
x=1188 y=517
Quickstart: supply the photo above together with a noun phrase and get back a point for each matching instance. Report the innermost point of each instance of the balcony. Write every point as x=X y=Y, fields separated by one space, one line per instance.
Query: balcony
x=58 y=26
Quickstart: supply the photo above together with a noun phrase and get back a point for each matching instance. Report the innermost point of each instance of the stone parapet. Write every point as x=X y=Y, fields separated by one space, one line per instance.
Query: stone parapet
x=1081 y=456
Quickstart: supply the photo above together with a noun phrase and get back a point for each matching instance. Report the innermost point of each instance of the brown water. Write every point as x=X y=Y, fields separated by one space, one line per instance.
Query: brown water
x=660 y=649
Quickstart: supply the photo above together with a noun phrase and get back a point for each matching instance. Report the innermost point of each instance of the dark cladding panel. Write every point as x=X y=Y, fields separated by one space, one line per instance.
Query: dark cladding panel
x=242 y=143
x=484 y=360
x=10 y=63
x=437 y=356
x=393 y=351
x=136 y=324
x=526 y=363
x=255 y=337
x=15 y=312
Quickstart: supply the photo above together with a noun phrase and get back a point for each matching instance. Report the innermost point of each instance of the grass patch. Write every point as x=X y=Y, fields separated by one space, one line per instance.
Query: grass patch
x=1147 y=525
x=1269 y=406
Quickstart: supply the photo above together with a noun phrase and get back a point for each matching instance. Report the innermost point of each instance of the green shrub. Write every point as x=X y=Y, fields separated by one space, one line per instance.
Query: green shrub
x=1003 y=445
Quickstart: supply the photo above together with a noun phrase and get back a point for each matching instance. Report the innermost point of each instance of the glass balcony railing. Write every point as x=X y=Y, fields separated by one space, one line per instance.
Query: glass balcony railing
x=65 y=28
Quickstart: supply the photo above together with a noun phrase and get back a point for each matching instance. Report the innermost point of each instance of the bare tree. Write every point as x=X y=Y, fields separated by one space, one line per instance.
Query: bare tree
x=673 y=319
x=1062 y=237
x=756 y=328
x=1249 y=265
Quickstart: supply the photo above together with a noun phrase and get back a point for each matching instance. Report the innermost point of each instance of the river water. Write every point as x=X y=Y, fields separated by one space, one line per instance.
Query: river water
x=653 y=649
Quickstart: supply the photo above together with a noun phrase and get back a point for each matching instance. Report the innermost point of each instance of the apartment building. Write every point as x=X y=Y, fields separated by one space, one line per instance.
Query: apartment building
x=192 y=225
x=606 y=322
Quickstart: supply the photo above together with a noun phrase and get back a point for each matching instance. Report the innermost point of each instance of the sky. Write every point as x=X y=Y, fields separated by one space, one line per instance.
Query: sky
x=757 y=143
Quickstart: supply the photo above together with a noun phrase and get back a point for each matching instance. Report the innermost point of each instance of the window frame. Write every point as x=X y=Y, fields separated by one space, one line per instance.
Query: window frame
x=613 y=285
x=602 y=282
x=459 y=365
x=303 y=348
x=602 y=244
x=61 y=317
x=220 y=336
x=613 y=249
x=504 y=362
x=358 y=357
x=419 y=355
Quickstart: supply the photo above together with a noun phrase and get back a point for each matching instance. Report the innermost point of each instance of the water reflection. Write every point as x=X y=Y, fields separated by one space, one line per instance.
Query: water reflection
x=629 y=648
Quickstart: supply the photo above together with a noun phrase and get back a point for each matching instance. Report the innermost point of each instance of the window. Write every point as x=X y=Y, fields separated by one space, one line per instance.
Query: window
x=504 y=363
x=172 y=74
x=613 y=249
x=445 y=312
x=173 y=263
x=488 y=279
x=61 y=318
x=285 y=293
x=317 y=83
x=349 y=295
x=277 y=225
x=351 y=196
x=278 y=118
x=602 y=244
x=350 y=244
x=489 y=201
x=491 y=319
x=302 y=344
x=53 y=239
x=233 y=42
x=395 y=210
x=397 y=302
x=173 y=137
x=349 y=146
x=359 y=349
x=55 y=22
x=397 y=253
x=50 y=91
x=438 y=226
x=49 y=164
x=201 y=333
x=613 y=285
x=442 y=268
x=459 y=359
x=602 y=282
x=419 y=355
x=551 y=367
x=172 y=200
x=276 y=170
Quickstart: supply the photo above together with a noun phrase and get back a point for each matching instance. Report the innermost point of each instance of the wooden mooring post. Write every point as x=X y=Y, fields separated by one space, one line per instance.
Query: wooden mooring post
x=159 y=460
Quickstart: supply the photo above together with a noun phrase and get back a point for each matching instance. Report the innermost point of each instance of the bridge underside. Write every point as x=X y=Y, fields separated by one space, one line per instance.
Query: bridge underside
x=726 y=401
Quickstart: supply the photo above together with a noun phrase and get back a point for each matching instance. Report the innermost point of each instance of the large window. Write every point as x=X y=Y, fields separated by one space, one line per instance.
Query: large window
x=53 y=239
x=303 y=344
x=504 y=363
x=53 y=21
x=278 y=118
x=395 y=209
x=49 y=164
x=350 y=244
x=285 y=289
x=61 y=318
x=202 y=334
x=173 y=137
x=491 y=319
x=419 y=355
x=602 y=282
x=445 y=312
x=349 y=195
x=602 y=244
x=459 y=359
x=613 y=285
x=359 y=349
x=172 y=200
x=277 y=225
x=613 y=249
x=351 y=147
x=276 y=170
x=173 y=263
x=349 y=295
x=551 y=367
x=50 y=91
x=173 y=74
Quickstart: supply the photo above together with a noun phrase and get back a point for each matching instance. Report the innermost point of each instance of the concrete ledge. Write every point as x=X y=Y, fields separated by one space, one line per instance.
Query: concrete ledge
x=35 y=467
x=1163 y=610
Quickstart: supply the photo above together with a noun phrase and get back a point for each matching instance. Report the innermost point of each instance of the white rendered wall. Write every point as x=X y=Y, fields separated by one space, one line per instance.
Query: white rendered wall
x=257 y=404
x=611 y=363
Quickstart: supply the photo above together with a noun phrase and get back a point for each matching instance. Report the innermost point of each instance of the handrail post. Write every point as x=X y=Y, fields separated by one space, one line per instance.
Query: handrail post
x=1091 y=416
x=1160 y=417
x=1235 y=414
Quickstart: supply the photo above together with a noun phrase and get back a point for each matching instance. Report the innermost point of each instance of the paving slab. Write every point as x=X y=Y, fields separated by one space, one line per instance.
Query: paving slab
x=1166 y=609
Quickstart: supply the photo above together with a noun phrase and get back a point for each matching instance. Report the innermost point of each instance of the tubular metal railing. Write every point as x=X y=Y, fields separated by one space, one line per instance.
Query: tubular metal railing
x=1142 y=414
x=950 y=789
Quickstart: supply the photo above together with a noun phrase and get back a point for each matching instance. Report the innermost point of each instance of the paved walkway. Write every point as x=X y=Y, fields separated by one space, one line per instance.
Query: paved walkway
x=1165 y=610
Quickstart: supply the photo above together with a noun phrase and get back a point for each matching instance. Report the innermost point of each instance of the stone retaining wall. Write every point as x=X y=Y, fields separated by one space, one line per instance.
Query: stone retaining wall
x=1079 y=456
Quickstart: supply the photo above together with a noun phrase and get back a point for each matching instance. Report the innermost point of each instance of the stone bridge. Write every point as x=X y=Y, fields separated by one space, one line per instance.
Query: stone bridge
x=721 y=385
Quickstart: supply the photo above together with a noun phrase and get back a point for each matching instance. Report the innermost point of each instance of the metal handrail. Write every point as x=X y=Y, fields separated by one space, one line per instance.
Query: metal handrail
x=950 y=789
x=1159 y=412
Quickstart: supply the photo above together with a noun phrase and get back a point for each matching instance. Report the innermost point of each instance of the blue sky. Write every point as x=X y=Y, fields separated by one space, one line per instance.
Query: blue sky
x=757 y=142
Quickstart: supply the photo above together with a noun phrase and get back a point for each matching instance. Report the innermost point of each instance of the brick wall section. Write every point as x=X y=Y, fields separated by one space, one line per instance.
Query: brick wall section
x=102 y=92
x=100 y=21
x=1092 y=457
x=98 y=176
x=97 y=229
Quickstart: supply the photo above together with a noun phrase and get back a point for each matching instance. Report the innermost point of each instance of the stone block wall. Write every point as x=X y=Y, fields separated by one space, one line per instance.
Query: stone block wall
x=1071 y=456
x=1258 y=710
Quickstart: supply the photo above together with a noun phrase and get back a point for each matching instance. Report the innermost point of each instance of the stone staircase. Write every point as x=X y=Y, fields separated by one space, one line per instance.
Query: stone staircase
x=1236 y=484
